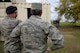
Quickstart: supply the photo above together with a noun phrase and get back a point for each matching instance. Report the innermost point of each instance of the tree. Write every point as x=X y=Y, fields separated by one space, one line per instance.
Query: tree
x=69 y=8
x=61 y=9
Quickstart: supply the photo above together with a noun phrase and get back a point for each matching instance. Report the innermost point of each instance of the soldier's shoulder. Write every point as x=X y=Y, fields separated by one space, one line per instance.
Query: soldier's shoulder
x=22 y=23
x=1 y=20
x=0 y=23
x=47 y=24
x=17 y=19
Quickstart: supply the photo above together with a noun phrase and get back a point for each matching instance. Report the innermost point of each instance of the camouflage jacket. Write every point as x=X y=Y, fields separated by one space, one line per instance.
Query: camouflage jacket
x=34 y=33
x=6 y=27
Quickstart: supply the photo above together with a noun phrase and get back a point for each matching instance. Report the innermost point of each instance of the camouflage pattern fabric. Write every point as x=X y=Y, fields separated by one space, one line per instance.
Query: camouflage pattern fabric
x=6 y=27
x=34 y=33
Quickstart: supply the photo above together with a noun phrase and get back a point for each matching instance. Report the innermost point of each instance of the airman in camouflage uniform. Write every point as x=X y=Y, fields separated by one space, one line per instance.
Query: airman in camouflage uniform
x=34 y=33
x=7 y=25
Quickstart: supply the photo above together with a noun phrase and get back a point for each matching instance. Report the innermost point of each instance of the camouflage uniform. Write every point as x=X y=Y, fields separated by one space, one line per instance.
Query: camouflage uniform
x=35 y=32
x=6 y=27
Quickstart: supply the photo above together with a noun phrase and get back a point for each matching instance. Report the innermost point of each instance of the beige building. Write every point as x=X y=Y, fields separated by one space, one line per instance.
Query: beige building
x=23 y=10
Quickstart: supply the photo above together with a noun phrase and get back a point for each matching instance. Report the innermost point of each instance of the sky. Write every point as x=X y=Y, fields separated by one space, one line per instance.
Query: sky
x=54 y=3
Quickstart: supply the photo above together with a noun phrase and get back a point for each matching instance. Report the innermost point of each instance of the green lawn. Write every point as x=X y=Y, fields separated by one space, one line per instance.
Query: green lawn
x=1 y=47
x=69 y=24
x=72 y=39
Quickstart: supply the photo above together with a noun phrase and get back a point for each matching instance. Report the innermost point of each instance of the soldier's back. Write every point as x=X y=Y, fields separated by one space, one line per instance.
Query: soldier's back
x=33 y=35
x=7 y=25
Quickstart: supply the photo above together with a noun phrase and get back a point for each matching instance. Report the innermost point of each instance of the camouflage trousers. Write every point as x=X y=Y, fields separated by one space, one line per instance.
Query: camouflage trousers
x=34 y=51
x=7 y=51
x=10 y=49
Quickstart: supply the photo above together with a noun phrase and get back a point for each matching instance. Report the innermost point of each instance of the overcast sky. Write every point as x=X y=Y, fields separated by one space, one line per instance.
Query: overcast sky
x=54 y=3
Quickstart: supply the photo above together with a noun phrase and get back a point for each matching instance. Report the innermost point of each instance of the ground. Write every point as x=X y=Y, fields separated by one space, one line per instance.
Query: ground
x=72 y=39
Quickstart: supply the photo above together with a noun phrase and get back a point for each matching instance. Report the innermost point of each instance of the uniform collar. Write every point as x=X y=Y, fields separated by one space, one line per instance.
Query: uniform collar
x=9 y=17
x=35 y=16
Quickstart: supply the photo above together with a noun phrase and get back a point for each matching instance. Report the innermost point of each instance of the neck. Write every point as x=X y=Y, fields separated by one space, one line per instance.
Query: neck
x=10 y=16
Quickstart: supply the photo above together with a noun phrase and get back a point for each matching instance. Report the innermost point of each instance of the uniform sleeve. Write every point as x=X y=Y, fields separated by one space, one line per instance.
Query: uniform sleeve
x=56 y=37
x=15 y=39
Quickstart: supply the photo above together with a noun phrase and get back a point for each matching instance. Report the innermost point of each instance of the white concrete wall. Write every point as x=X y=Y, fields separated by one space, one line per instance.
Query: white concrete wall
x=18 y=1
x=3 y=6
x=46 y=12
x=22 y=10
x=22 y=13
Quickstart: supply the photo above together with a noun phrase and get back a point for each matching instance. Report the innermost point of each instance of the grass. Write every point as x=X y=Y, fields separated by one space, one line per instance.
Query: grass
x=72 y=39
x=69 y=24
x=1 y=47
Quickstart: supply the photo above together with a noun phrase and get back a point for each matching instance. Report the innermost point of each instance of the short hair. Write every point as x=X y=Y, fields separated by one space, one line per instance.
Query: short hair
x=11 y=9
x=36 y=12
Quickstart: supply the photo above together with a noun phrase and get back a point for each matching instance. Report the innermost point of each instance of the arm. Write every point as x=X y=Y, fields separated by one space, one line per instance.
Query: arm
x=56 y=37
x=15 y=39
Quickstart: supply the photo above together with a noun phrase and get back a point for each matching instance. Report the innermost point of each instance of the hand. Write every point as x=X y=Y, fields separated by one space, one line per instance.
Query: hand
x=48 y=49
